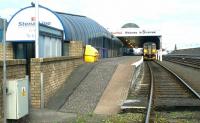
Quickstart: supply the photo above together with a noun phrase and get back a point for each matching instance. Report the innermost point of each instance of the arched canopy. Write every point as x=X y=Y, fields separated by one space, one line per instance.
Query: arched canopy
x=130 y=25
x=75 y=27
x=21 y=28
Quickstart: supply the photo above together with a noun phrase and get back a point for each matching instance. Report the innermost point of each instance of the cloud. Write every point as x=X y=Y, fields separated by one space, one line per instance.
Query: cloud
x=177 y=19
x=181 y=33
x=68 y=6
x=7 y=13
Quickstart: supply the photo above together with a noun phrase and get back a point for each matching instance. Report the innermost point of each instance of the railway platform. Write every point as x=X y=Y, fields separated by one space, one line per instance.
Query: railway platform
x=92 y=88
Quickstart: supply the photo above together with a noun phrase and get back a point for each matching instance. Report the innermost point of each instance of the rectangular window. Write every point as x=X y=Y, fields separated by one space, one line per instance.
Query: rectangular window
x=24 y=50
x=50 y=47
x=66 y=49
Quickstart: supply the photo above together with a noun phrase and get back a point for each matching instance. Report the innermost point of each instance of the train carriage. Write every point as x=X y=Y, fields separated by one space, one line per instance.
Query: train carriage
x=149 y=51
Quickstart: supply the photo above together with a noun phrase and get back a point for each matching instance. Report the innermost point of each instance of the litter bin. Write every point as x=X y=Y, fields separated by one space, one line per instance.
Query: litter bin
x=91 y=54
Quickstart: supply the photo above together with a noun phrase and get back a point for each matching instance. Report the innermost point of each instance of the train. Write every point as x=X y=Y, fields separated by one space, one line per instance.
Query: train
x=133 y=51
x=149 y=51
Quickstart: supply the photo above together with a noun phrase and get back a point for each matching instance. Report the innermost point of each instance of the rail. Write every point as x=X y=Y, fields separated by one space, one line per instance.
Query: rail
x=148 y=114
x=151 y=95
x=183 y=82
x=184 y=55
x=193 y=62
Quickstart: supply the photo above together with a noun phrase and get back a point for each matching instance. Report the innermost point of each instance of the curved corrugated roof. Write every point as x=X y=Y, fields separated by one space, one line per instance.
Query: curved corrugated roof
x=130 y=25
x=82 y=28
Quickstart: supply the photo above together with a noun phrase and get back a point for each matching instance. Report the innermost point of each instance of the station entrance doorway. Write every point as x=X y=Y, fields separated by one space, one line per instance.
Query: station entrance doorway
x=134 y=38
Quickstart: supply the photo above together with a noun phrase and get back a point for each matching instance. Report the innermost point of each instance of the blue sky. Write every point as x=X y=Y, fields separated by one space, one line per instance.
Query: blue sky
x=178 y=20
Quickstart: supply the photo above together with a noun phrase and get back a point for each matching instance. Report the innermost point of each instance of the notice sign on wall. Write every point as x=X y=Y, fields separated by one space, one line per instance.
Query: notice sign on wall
x=23 y=91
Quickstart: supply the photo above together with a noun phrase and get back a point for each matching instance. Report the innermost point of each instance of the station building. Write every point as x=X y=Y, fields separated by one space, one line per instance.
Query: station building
x=62 y=38
x=133 y=37
x=56 y=31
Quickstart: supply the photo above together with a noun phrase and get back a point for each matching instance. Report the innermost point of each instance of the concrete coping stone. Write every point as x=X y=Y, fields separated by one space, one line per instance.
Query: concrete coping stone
x=76 y=41
x=62 y=58
x=10 y=62
x=138 y=63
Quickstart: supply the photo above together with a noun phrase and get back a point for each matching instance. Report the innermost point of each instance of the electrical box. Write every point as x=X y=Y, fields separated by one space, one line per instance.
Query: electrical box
x=17 y=98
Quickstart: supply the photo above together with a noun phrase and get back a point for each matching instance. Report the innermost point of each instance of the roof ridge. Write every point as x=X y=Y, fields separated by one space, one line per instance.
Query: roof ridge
x=68 y=14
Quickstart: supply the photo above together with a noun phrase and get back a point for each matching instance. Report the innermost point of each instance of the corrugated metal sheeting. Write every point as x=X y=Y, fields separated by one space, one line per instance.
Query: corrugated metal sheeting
x=72 y=27
x=82 y=28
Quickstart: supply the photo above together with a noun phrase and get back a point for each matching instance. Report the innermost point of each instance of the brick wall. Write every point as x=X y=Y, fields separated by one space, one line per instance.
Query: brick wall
x=9 y=51
x=16 y=69
x=76 y=48
x=55 y=71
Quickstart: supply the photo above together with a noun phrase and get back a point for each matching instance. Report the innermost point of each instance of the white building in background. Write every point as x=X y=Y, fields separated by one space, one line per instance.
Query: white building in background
x=134 y=37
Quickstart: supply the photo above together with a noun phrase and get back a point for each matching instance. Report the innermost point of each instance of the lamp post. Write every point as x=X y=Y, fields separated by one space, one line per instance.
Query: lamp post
x=36 y=29
x=4 y=72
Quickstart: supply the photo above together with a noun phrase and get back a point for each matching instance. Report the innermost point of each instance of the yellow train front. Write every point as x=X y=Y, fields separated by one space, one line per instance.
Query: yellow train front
x=149 y=51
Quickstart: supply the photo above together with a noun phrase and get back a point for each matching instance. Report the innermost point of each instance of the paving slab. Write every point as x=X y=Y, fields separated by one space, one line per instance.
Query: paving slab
x=57 y=101
x=83 y=90
x=117 y=90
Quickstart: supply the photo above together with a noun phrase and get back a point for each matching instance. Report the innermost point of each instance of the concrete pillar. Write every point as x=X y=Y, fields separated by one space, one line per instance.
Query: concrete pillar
x=160 y=54
x=157 y=55
x=160 y=50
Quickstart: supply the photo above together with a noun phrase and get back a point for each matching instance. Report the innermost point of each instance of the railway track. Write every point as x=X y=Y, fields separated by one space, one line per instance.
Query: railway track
x=138 y=95
x=184 y=60
x=168 y=92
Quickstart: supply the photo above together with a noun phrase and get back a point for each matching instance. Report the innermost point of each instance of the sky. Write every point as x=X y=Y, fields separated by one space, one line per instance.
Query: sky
x=178 y=20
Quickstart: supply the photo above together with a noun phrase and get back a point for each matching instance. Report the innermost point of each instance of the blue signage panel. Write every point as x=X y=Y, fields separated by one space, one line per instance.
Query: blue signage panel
x=1 y=35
